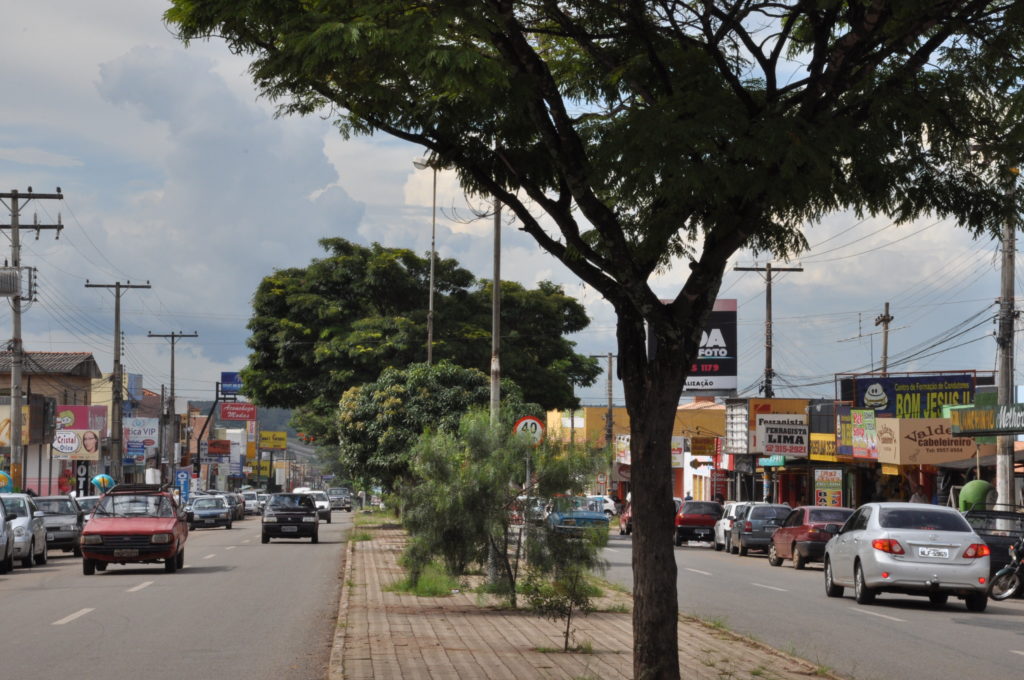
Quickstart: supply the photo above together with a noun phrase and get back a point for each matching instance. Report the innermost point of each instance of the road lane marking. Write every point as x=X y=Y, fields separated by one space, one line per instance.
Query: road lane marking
x=230 y=547
x=210 y=556
x=881 y=616
x=761 y=585
x=698 y=571
x=245 y=541
x=615 y=550
x=72 y=617
x=139 y=587
x=1014 y=651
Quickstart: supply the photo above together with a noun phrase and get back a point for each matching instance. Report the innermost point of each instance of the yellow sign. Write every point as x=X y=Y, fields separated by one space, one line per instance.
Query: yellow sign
x=823 y=447
x=270 y=439
x=250 y=450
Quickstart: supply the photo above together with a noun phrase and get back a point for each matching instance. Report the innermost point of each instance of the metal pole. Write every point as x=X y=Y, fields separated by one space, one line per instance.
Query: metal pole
x=433 y=258
x=1004 y=452
x=768 y=391
x=17 y=356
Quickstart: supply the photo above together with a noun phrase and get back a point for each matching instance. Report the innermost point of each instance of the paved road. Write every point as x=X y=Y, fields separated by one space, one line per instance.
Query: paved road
x=898 y=637
x=239 y=609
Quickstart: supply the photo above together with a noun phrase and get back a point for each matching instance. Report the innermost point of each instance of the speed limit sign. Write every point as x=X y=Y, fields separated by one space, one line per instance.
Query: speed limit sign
x=531 y=426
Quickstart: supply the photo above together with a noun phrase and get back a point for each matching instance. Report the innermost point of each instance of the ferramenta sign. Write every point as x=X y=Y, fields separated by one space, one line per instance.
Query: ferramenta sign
x=988 y=420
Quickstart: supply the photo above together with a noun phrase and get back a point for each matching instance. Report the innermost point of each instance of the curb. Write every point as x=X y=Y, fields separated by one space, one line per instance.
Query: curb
x=336 y=666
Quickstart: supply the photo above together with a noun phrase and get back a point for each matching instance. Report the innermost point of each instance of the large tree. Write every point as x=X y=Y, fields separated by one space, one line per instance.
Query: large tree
x=321 y=329
x=656 y=132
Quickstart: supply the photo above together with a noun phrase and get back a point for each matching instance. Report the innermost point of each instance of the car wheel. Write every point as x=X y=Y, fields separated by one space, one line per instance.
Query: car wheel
x=938 y=599
x=976 y=602
x=171 y=564
x=831 y=589
x=316 y=537
x=729 y=546
x=328 y=518
x=773 y=556
x=7 y=565
x=43 y=556
x=180 y=560
x=265 y=539
x=228 y=525
x=679 y=539
x=718 y=546
x=77 y=552
x=88 y=566
x=27 y=560
x=101 y=566
x=799 y=561
x=743 y=549
x=861 y=592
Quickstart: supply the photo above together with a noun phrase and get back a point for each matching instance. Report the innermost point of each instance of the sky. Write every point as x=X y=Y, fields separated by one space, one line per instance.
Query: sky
x=174 y=172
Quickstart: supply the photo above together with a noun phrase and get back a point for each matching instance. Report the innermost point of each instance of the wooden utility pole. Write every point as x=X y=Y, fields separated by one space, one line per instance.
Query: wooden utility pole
x=167 y=408
x=1007 y=315
x=17 y=351
x=496 y=319
x=117 y=382
x=884 y=320
x=769 y=392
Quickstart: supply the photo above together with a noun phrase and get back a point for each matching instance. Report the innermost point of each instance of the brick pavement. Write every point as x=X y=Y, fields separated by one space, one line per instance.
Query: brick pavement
x=383 y=635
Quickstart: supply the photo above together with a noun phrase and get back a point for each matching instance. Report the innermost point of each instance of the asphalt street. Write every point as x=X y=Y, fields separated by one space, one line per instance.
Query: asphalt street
x=897 y=637
x=239 y=609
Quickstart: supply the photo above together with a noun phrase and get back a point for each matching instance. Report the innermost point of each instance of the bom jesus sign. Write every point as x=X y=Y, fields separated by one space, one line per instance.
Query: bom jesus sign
x=237 y=411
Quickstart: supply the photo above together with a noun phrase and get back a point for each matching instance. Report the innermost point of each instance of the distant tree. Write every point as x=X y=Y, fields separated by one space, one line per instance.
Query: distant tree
x=339 y=322
x=627 y=137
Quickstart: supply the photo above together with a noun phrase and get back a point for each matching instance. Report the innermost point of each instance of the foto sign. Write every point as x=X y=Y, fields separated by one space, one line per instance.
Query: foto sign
x=237 y=410
x=531 y=426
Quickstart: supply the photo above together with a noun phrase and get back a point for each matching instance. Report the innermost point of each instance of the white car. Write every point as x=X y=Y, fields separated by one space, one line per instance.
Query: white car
x=6 y=541
x=723 y=527
x=323 y=504
x=606 y=503
x=29 y=529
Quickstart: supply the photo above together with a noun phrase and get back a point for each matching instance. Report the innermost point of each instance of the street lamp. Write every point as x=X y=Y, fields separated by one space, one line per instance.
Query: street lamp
x=423 y=164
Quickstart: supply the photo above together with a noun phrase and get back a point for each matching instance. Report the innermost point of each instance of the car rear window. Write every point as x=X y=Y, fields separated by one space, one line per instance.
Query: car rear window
x=769 y=512
x=927 y=520
x=56 y=506
x=701 y=508
x=838 y=515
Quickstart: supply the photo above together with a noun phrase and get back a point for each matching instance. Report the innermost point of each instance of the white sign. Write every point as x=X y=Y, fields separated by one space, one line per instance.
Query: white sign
x=66 y=441
x=782 y=434
x=530 y=426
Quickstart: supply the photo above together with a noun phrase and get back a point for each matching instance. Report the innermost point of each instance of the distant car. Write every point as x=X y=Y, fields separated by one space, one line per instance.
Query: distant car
x=695 y=521
x=29 y=528
x=209 y=511
x=341 y=498
x=607 y=505
x=753 y=530
x=252 y=501
x=63 y=518
x=323 y=504
x=135 y=523
x=908 y=548
x=6 y=540
x=291 y=515
x=574 y=515
x=262 y=498
x=802 y=536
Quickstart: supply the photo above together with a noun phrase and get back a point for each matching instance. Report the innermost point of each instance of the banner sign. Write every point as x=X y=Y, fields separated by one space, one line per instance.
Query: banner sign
x=844 y=431
x=921 y=441
x=79 y=432
x=237 y=410
x=912 y=396
x=140 y=436
x=773 y=430
x=823 y=447
x=219 y=447
x=828 y=487
x=716 y=365
x=230 y=383
x=865 y=438
x=273 y=439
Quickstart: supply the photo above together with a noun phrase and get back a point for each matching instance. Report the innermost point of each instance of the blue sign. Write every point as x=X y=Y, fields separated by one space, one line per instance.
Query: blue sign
x=771 y=461
x=230 y=383
x=921 y=396
x=182 y=480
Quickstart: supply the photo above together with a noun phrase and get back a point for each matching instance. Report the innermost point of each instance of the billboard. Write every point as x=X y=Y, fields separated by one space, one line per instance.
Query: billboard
x=865 y=437
x=80 y=430
x=140 y=437
x=230 y=383
x=921 y=441
x=271 y=439
x=716 y=365
x=920 y=396
x=237 y=410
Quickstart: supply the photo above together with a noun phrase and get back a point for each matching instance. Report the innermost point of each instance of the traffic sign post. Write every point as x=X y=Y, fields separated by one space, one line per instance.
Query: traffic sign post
x=535 y=429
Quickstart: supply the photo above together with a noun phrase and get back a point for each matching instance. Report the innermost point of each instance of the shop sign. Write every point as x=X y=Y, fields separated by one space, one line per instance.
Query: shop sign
x=921 y=396
x=921 y=441
x=219 y=447
x=844 y=431
x=776 y=433
x=621 y=446
x=237 y=410
x=992 y=420
x=715 y=368
x=823 y=447
x=771 y=461
x=678 y=451
x=828 y=487
x=865 y=438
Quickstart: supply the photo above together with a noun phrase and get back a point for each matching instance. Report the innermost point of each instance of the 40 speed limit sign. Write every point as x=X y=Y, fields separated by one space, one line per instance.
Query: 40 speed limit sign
x=531 y=426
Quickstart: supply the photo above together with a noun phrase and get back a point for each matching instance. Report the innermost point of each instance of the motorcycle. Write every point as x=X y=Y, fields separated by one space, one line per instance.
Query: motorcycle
x=1007 y=581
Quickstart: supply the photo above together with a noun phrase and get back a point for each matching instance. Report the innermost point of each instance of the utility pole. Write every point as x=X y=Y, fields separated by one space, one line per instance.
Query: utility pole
x=768 y=269
x=17 y=351
x=496 y=318
x=1004 y=341
x=884 y=320
x=167 y=410
x=117 y=383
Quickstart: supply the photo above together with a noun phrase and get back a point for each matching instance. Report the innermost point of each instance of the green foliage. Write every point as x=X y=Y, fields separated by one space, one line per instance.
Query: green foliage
x=339 y=322
x=432 y=580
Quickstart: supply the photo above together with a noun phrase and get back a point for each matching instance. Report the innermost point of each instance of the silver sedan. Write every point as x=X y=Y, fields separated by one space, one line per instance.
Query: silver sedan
x=908 y=548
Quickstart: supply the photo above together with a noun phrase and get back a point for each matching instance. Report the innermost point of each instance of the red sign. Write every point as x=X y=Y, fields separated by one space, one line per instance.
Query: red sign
x=719 y=483
x=237 y=410
x=219 y=447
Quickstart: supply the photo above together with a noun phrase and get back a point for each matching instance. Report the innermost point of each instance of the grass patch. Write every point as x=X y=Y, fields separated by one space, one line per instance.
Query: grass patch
x=584 y=647
x=434 y=582
x=374 y=517
x=360 y=536
x=616 y=609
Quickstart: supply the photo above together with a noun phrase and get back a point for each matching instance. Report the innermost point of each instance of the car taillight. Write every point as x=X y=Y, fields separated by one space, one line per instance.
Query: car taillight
x=747 y=526
x=977 y=550
x=889 y=545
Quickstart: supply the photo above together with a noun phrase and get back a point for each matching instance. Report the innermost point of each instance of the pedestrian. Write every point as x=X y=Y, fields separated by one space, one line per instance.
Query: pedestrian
x=688 y=497
x=918 y=494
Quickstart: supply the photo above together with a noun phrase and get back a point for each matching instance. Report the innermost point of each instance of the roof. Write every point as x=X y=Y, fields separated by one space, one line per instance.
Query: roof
x=80 y=364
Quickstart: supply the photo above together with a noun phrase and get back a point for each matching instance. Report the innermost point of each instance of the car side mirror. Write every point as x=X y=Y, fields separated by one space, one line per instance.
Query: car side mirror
x=39 y=513
x=12 y=515
x=832 y=529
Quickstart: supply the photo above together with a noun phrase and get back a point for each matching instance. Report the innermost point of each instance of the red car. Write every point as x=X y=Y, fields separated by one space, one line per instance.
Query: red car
x=135 y=523
x=626 y=519
x=695 y=521
x=802 y=536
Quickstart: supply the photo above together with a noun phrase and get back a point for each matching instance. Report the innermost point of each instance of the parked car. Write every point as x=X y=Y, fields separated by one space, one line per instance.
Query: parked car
x=606 y=503
x=209 y=511
x=723 y=527
x=251 y=500
x=6 y=540
x=907 y=548
x=262 y=498
x=802 y=536
x=323 y=504
x=626 y=519
x=754 y=528
x=574 y=515
x=999 y=526
x=695 y=521
x=135 y=523
x=341 y=498
x=291 y=515
x=739 y=510
x=29 y=528
x=63 y=519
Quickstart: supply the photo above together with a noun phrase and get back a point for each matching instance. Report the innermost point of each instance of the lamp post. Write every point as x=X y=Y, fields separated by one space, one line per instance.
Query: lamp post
x=423 y=164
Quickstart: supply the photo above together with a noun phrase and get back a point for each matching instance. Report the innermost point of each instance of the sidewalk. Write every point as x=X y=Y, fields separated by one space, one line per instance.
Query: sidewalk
x=383 y=635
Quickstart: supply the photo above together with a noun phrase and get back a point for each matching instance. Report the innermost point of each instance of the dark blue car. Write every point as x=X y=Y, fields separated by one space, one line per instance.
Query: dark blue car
x=209 y=511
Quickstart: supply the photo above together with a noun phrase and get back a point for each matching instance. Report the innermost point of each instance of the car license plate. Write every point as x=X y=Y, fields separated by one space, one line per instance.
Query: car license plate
x=49 y=537
x=126 y=552
x=701 y=532
x=289 y=529
x=933 y=552
x=208 y=521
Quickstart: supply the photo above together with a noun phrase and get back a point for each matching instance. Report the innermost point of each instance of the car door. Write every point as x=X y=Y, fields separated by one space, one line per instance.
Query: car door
x=847 y=543
x=37 y=525
x=783 y=538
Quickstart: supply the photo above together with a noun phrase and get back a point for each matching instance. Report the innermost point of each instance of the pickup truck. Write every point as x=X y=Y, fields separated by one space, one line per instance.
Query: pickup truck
x=999 y=526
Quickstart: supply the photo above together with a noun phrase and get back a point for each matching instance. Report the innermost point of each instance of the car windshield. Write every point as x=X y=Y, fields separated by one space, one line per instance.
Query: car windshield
x=207 y=503
x=923 y=520
x=15 y=505
x=701 y=508
x=56 y=506
x=135 y=506
x=87 y=504
x=769 y=512
x=290 y=502
x=838 y=515
x=319 y=495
